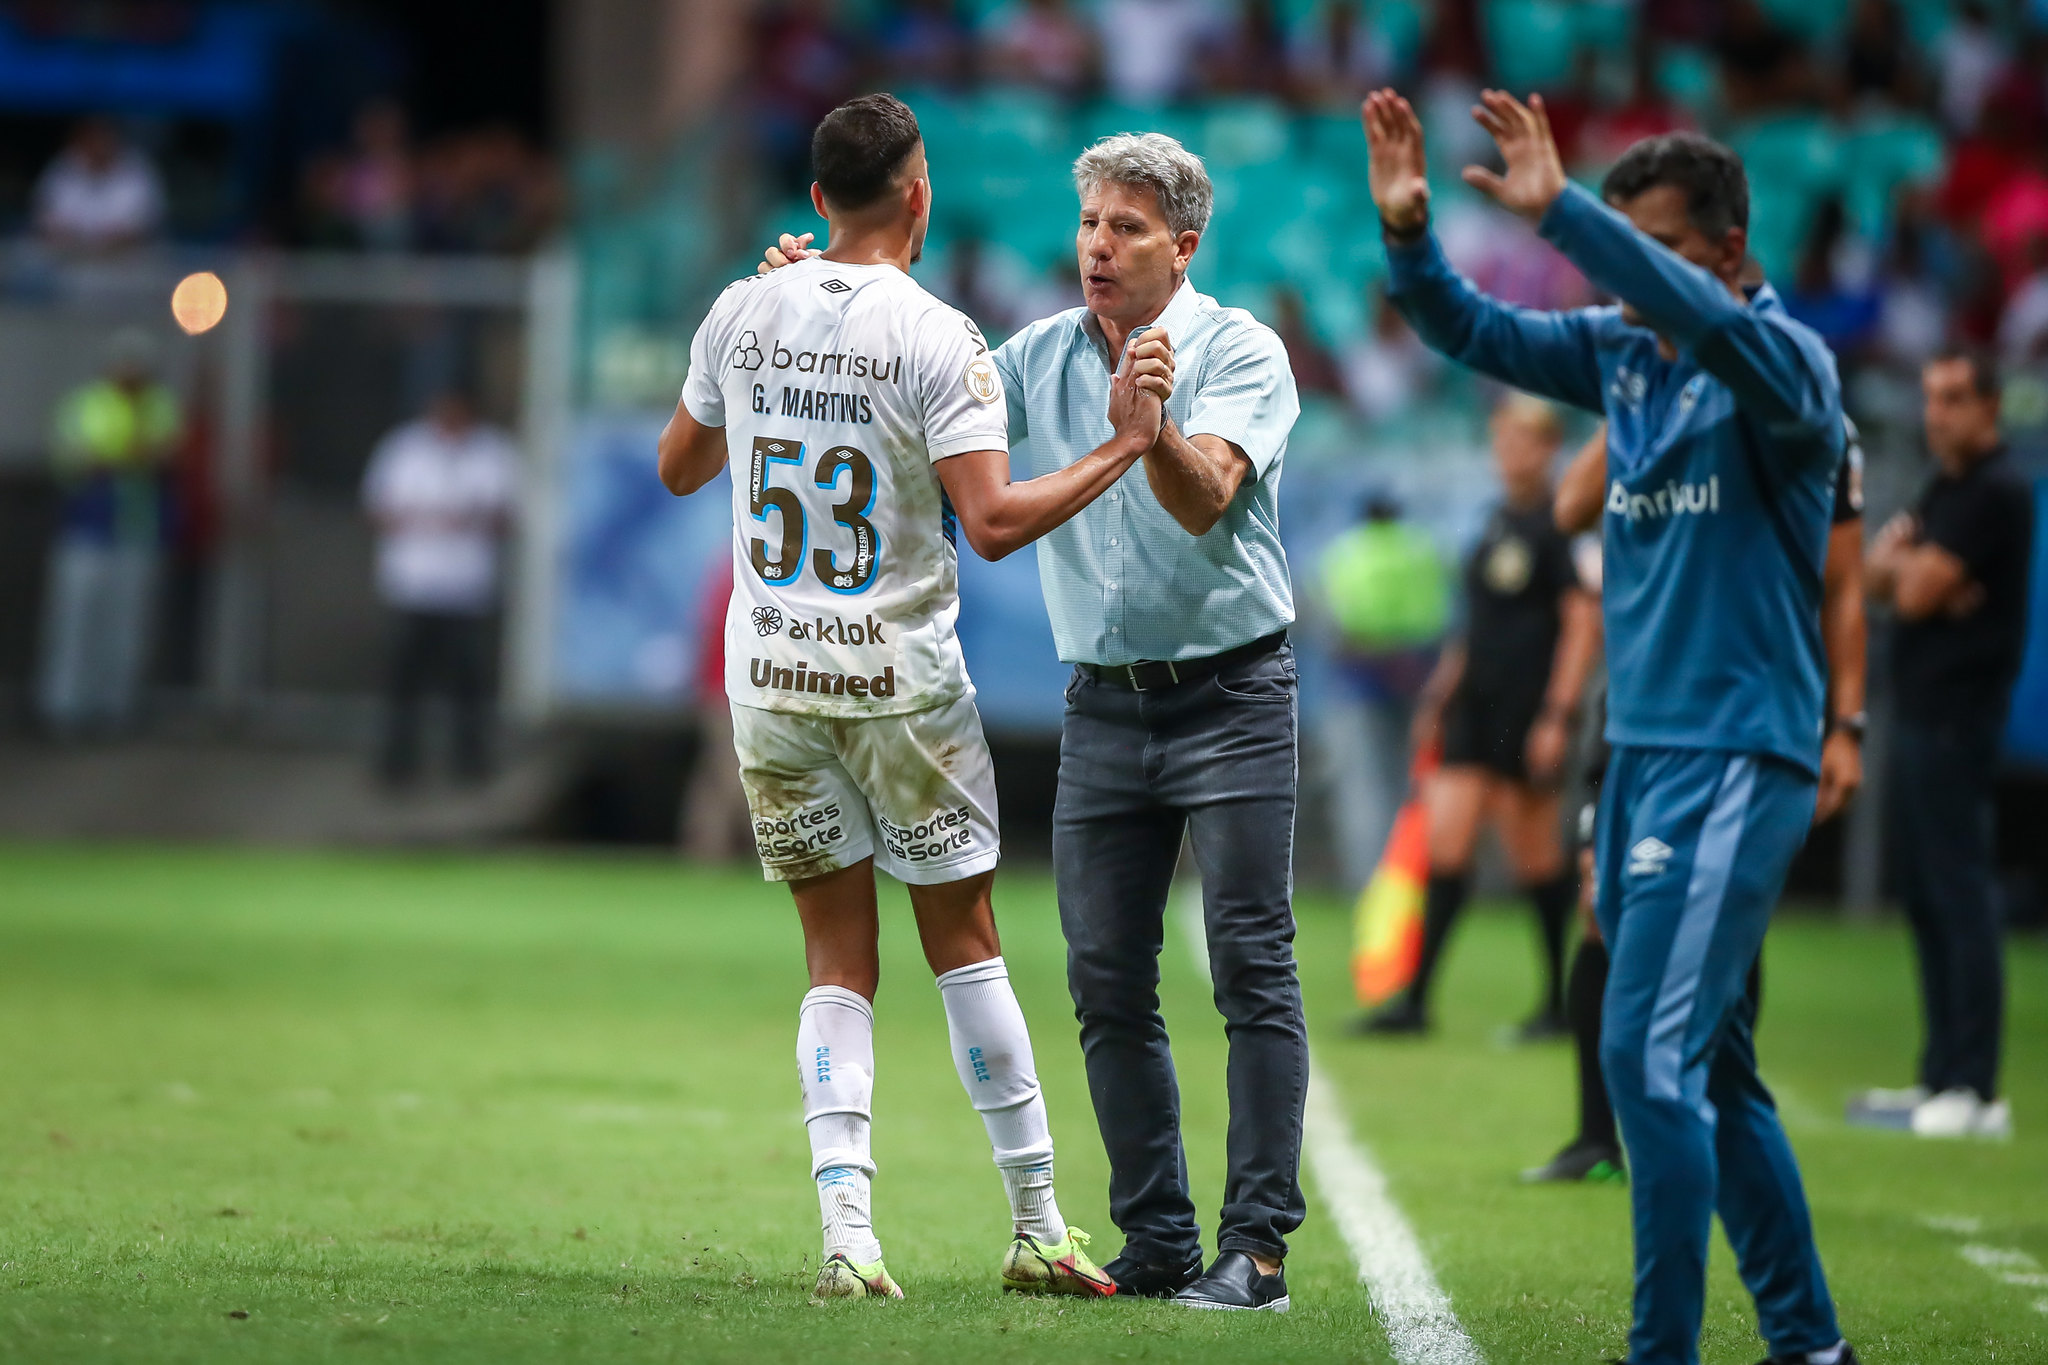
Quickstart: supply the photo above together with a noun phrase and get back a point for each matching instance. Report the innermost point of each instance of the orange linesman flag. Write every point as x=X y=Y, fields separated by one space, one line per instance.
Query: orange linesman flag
x=1386 y=925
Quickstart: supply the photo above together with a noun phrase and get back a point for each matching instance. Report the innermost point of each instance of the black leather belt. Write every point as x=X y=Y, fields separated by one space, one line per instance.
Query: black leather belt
x=1149 y=675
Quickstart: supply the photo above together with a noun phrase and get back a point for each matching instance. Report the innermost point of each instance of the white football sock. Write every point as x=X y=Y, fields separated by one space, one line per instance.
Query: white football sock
x=835 y=1058
x=992 y=1052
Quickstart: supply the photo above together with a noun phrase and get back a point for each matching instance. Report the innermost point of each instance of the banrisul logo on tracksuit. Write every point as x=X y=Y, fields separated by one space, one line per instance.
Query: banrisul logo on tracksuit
x=1672 y=499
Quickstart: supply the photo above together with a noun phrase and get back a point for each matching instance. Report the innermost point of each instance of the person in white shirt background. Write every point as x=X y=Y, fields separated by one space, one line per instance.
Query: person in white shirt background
x=442 y=492
x=98 y=194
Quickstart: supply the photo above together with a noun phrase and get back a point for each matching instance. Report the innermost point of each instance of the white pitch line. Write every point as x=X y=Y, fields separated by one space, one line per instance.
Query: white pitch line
x=1412 y=1307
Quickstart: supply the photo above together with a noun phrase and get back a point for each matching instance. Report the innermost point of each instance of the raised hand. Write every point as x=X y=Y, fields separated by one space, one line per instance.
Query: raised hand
x=1535 y=172
x=1134 y=407
x=787 y=250
x=1398 y=172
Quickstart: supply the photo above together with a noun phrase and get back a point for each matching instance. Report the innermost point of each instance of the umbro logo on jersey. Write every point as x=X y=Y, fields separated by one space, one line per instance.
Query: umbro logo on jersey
x=748 y=355
x=836 y=286
x=767 y=621
x=1648 y=857
x=1628 y=387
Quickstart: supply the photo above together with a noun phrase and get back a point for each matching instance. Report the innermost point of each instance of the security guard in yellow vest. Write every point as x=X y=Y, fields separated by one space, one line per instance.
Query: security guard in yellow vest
x=112 y=439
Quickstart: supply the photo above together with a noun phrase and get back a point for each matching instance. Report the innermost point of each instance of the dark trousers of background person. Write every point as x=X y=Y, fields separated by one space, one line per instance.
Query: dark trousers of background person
x=1943 y=836
x=1215 y=759
x=448 y=651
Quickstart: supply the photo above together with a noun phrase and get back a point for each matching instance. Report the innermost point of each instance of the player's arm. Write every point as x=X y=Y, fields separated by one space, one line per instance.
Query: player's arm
x=692 y=446
x=998 y=516
x=1582 y=492
x=691 y=452
x=1551 y=354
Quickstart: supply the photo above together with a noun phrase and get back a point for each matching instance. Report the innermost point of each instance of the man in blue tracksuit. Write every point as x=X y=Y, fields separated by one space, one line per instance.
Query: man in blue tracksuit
x=1725 y=424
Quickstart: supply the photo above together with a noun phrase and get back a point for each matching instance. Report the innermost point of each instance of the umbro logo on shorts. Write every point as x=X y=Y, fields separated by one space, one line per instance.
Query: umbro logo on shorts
x=1648 y=857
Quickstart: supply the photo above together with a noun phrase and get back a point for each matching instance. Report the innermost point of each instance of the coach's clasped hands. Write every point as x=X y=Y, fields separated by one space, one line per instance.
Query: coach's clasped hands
x=1138 y=393
x=1399 y=172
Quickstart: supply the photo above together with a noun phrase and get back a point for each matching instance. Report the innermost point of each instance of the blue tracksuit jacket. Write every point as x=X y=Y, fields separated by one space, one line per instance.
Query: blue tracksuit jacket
x=1721 y=467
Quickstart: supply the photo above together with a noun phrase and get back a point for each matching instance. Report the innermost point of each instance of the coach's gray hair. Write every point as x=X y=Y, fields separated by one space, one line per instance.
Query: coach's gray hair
x=1161 y=165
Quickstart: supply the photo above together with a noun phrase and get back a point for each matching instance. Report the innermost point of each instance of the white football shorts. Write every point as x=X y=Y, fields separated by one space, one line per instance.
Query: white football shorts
x=918 y=792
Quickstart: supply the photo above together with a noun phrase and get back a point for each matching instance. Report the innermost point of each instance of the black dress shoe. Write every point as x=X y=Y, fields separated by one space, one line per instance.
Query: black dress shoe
x=1135 y=1279
x=1234 y=1282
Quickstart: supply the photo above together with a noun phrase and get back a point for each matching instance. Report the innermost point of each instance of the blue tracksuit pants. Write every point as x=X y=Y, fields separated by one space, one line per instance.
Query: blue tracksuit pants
x=1693 y=848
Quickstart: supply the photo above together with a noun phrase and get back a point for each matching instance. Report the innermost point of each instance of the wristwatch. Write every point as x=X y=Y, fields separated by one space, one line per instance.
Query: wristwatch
x=1852 y=726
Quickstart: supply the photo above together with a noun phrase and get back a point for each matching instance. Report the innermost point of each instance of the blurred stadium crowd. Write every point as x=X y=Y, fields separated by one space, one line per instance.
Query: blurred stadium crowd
x=1894 y=146
x=132 y=125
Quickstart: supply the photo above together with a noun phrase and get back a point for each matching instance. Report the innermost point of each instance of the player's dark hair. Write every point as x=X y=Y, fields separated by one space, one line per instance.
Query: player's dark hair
x=859 y=147
x=1984 y=375
x=1715 y=185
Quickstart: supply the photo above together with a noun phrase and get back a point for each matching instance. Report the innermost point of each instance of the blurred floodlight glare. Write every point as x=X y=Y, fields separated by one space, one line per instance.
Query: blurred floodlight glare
x=199 y=302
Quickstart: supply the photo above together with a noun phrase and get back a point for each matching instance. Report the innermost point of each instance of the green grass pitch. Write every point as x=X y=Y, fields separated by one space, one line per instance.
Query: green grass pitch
x=303 y=1107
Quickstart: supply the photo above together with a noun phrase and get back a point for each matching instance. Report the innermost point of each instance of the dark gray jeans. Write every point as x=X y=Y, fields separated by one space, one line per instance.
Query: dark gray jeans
x=1214 y=758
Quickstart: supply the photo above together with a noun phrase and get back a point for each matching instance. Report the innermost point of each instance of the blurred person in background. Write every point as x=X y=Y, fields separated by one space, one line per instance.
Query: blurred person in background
x=1336 y=56
x=1247 y=54
x=99 y=194
x=368 y=194
x=1969 y=57
x=113 y=440
x=1502 y=704
x=441 y=493
x=1315 y=369
x=1044 y=43
x=715 y=826
x=1149 y=48
x=1954 y=571
x=1387 y=595
x=926 y=43
x=1879 y=58
x=1388 y=370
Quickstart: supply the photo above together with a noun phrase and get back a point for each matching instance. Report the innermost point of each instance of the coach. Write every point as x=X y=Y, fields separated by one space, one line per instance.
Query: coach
x=1170 y=597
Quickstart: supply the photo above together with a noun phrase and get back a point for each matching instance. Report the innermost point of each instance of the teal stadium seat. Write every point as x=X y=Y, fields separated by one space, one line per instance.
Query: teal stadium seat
x=1882 y=155
x=1689 y=76
x=1533 y=42
x=1794 y=160
x=1814 y=20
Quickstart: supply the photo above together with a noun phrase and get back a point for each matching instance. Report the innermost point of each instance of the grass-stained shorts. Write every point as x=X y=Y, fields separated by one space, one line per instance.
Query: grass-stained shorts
x=916 y=791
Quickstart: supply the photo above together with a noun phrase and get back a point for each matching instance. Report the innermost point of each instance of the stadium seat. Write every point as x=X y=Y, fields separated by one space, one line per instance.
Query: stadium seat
x=1814 y=20
x=1533 y=42
x=1794 y=160
x=1881 y=155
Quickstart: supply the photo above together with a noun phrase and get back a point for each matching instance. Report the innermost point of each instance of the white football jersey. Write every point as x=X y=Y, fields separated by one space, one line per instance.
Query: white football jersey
x=838 y=386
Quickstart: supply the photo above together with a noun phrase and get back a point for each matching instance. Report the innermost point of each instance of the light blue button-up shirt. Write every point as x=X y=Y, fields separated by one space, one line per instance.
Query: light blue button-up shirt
x=1123 y=580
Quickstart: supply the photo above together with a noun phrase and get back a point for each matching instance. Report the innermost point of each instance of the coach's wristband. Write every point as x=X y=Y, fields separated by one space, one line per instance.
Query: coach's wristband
x=1852 y=726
